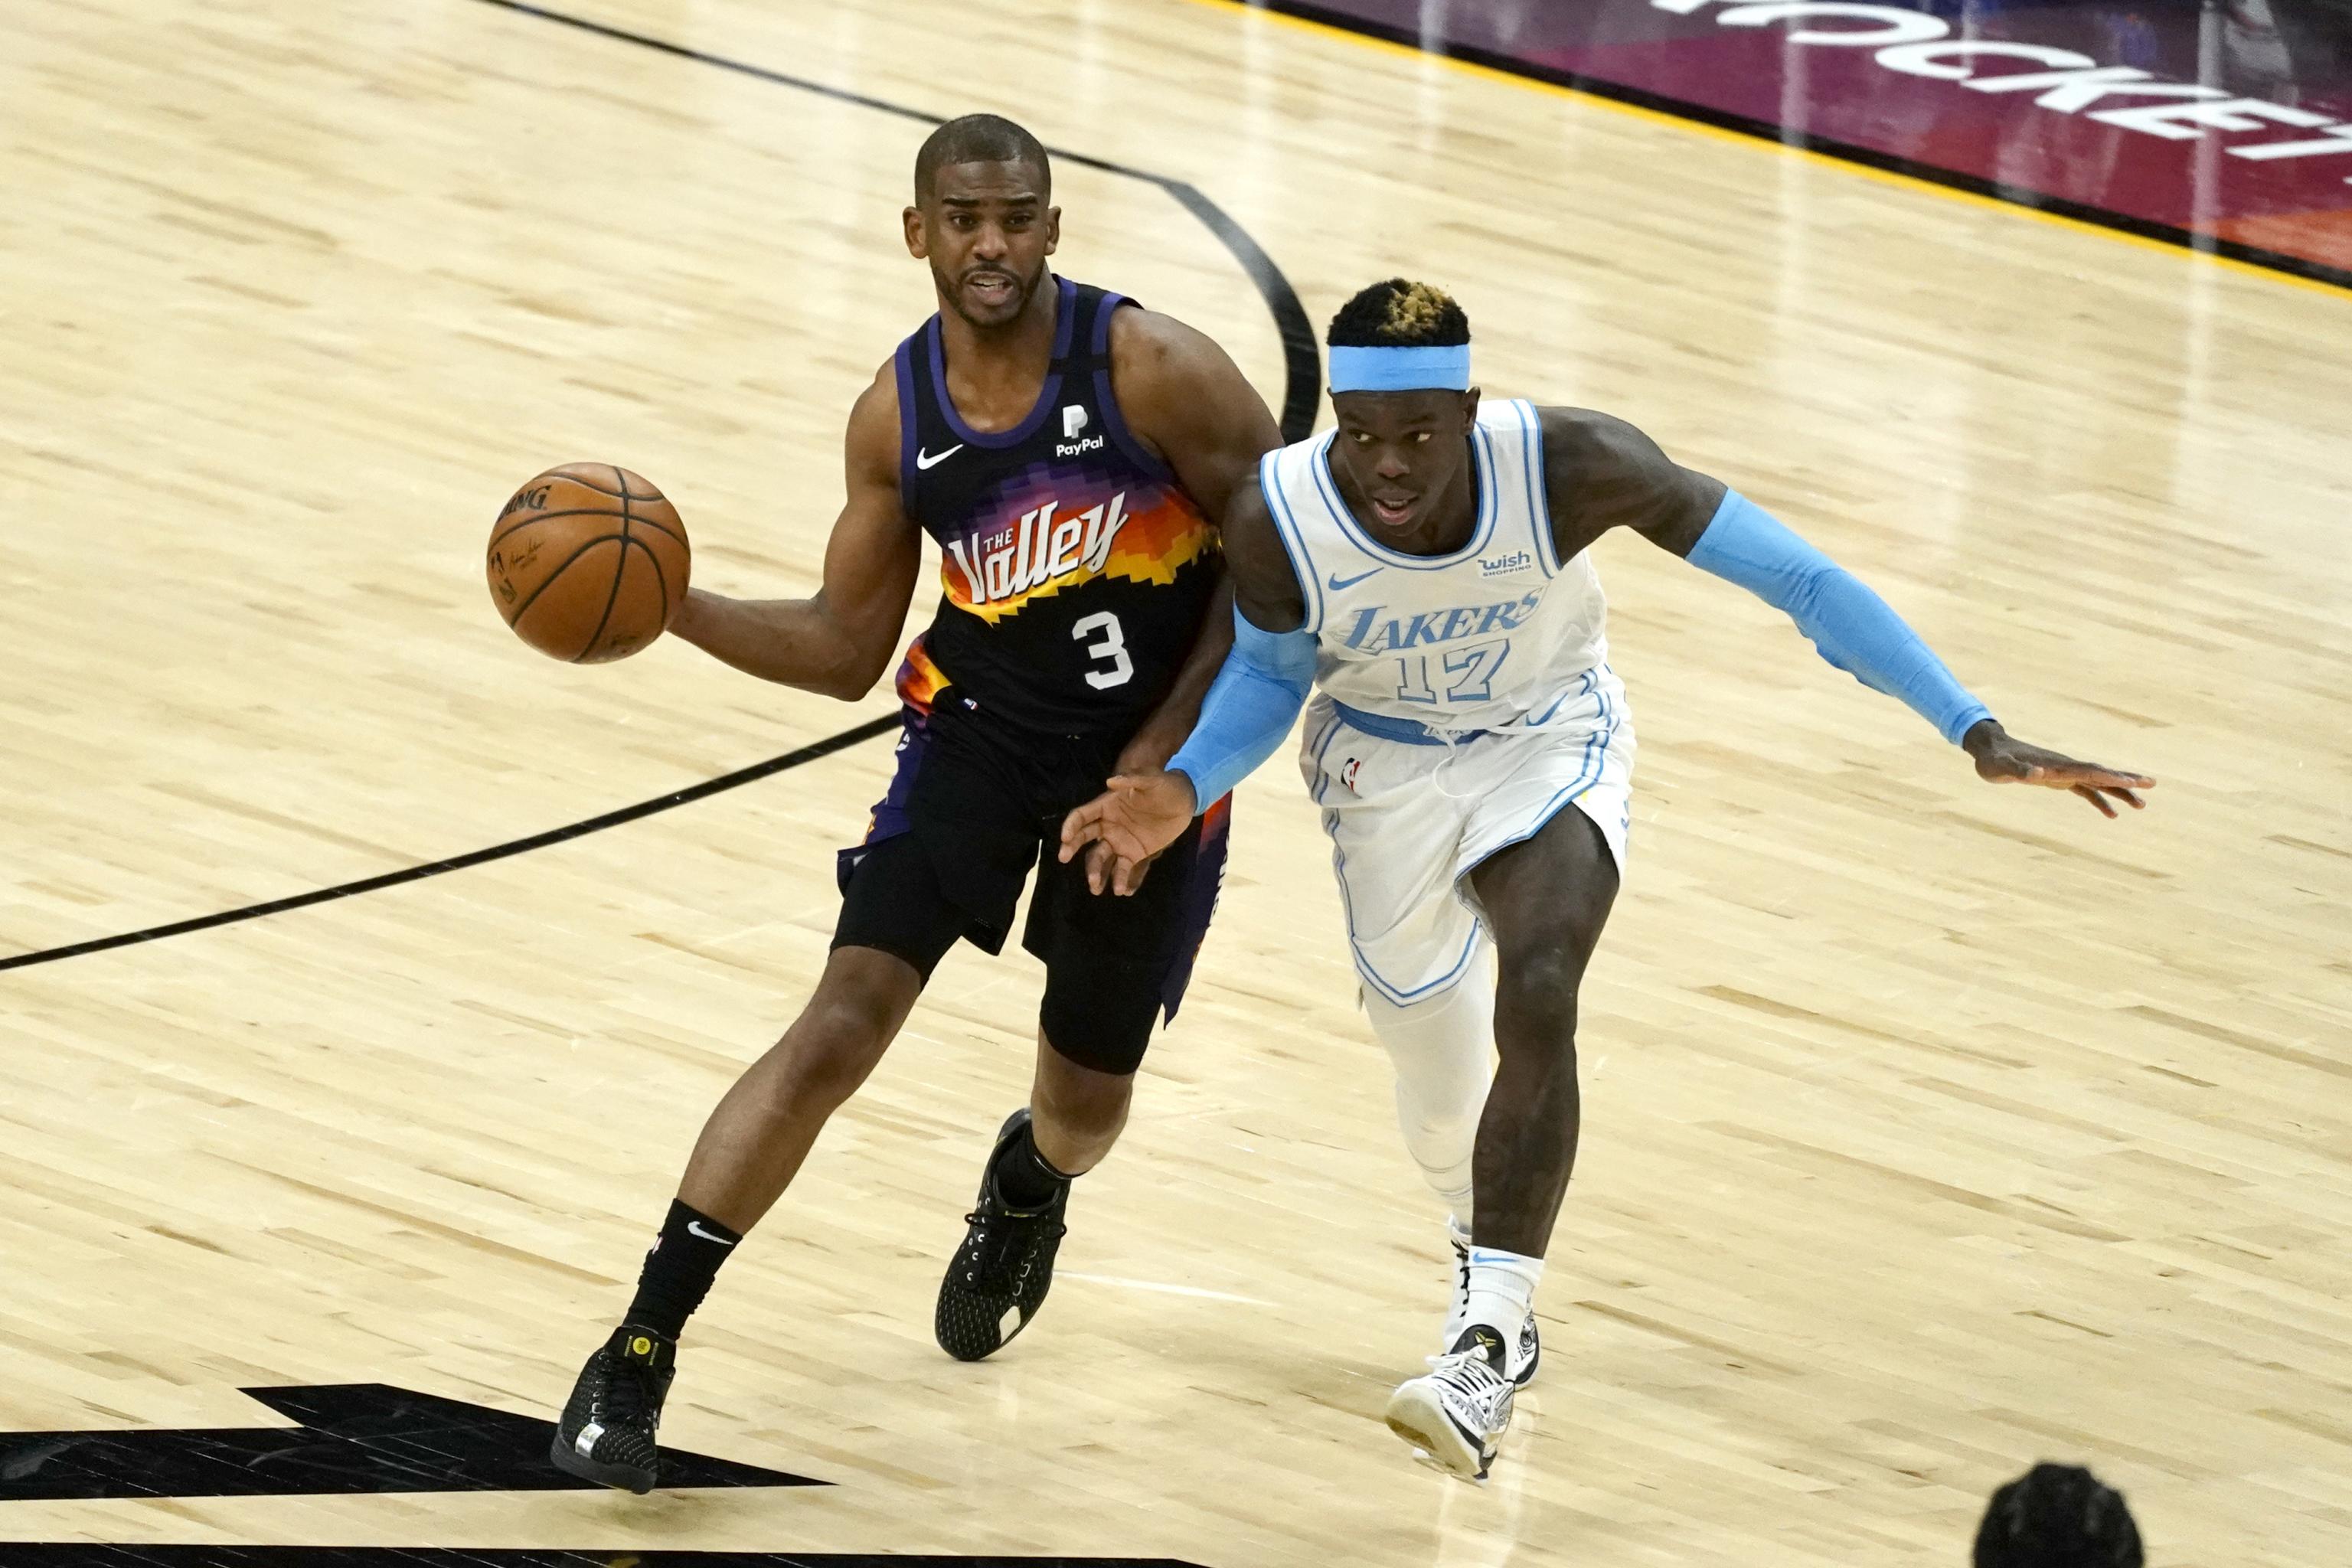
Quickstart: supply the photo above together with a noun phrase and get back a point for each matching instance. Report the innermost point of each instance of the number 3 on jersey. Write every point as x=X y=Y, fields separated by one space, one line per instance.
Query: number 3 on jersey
x=1113 y=648
x=1470 y=673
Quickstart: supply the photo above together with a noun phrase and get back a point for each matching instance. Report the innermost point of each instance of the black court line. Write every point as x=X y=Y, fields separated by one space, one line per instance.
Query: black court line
x=1302 y=357
x=1844 y=152
x=94 y=1555
x=644 y=809
x=348 y=1439
x=1302 y=361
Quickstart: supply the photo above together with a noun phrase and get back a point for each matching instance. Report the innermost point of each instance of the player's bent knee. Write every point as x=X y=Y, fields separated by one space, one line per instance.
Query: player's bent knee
x=829 y=1051
x=1537 y=1004
x=1546 y=979
x=1097 y=1122
x=1083 y=1100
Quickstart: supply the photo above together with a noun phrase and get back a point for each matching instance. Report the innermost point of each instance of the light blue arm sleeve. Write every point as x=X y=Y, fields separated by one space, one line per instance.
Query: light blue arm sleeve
x=1852 y=627
x=1257 y=693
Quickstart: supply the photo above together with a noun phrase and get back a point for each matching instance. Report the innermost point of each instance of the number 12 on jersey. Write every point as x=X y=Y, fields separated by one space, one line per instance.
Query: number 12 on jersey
x=1468 y=672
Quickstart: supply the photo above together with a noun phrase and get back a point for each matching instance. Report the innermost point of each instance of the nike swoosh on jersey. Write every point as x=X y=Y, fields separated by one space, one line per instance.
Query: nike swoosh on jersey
x=928 y=461
x=1340 y=585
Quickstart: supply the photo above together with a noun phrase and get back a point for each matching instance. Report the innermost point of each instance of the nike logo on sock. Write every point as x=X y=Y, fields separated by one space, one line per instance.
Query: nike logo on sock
x=694 y=1228
x=926 y=461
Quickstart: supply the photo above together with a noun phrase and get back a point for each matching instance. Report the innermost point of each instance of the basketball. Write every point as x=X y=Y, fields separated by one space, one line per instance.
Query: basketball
x=588 y=562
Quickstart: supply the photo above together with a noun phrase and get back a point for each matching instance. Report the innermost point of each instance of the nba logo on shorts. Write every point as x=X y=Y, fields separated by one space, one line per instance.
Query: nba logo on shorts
x=1073 y=419
x=1348 y=772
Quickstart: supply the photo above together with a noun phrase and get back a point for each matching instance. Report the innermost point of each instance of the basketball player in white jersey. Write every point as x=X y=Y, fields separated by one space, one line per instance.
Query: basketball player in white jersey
x=1425 y=565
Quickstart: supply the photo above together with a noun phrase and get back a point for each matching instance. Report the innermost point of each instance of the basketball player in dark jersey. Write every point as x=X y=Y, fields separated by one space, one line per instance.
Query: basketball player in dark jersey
x=1065 y=449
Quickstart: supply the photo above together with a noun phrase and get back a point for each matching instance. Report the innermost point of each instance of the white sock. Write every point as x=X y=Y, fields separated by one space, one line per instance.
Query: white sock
x=1443 y=1053
x=1502 y=1291
x=1457 y=1232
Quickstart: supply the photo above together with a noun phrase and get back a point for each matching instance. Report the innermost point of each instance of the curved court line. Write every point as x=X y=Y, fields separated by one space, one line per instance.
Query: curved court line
x=1892 y=167
x=1302 y=357
x=644 y=809
x=1302 y=362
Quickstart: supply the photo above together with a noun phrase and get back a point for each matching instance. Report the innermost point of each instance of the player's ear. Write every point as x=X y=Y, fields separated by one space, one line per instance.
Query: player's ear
x=1469 y=409
x=1052 y=230
x=917 y=247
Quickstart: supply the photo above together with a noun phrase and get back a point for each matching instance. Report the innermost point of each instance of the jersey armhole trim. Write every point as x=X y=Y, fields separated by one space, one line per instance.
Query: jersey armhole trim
x=1538 y=489
x=1122 y=435
x=1107 y=306
x=909 y=423
x=1294 y=541
x=1115 y=423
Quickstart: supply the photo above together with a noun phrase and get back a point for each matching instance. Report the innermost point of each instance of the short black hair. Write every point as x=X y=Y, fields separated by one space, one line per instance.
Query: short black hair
x=1398 y=315
x=2058 y=1516
x=979 y=139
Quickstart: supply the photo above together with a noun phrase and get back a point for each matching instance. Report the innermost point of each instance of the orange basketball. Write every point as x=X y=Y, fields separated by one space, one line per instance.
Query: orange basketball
x=588 y=562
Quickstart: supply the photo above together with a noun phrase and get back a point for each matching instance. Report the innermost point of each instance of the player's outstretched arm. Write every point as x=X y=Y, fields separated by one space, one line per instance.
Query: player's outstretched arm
x=1250 y=708
x=840 y=641
x=1605 y=473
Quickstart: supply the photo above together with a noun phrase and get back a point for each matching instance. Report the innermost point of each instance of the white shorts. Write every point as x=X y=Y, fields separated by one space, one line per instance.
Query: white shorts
x=1409 y=819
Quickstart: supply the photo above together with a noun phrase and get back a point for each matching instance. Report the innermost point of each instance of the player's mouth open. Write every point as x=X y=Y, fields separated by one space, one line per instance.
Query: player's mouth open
x=992 y=287
x=1395 y=513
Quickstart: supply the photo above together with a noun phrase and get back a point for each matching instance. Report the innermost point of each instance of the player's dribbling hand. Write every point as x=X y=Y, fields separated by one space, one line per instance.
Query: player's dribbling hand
x=1138 y=816
x=2001 y=758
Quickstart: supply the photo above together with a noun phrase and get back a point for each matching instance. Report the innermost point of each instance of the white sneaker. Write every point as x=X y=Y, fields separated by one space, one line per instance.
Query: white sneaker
x=1455 y=1416
x=1526 y=1355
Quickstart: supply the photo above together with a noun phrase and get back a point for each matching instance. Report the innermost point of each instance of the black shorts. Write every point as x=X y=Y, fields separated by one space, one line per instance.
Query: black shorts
x=974 y=805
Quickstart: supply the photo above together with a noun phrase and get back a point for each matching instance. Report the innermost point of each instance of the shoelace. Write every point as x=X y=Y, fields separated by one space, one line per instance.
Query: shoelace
x=628 y=1390
x=1467 y=1371
x=1000 y=1236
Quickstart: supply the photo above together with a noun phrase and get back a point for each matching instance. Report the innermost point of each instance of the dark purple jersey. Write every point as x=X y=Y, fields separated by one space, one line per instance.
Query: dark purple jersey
x=1076 y=571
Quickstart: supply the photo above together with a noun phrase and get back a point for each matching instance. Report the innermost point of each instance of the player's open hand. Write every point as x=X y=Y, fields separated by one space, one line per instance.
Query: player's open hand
x=1138 y=816
x=2001 y=758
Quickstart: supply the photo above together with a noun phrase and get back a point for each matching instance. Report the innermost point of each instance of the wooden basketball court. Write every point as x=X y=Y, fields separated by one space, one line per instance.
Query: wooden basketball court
x=1930 y=1129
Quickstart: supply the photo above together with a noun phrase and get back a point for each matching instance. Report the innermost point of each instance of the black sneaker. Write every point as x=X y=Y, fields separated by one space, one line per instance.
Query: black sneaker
x=1005 y=1266
x=606 y=1432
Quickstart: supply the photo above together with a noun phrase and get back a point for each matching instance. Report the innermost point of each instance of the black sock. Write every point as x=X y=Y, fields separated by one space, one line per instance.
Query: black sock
x=678 y=1270
x=1025 y=1178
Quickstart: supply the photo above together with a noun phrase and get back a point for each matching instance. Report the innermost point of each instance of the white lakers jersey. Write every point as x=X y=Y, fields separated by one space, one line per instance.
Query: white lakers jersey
x=1496 y=636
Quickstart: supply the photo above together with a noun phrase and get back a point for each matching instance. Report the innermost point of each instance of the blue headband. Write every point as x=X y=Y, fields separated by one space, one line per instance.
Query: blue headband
x=1380 y=369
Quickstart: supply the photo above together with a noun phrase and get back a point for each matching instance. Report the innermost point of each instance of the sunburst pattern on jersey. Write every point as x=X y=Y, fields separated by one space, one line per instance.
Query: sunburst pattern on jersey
x=988 y=572
x=920 y=681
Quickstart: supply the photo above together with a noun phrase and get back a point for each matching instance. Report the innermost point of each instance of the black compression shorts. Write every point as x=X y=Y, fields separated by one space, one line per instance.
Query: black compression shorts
x=976 y=803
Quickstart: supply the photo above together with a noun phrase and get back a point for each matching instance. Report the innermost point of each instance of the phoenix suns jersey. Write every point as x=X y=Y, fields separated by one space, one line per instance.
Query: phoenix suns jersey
x=1075 y=571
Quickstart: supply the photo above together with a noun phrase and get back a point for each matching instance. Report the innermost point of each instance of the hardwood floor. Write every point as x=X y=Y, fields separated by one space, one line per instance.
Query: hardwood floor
x=1930 y=1129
